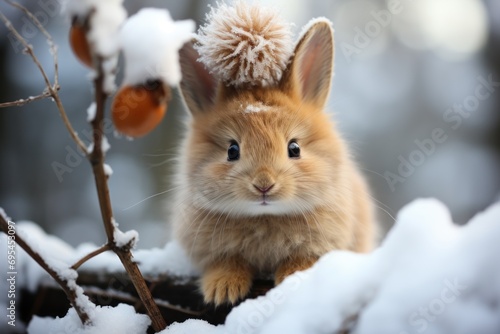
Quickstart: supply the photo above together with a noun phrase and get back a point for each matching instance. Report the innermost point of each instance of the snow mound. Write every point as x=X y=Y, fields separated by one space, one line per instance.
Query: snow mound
x=428 y=275
x=245 y=44
x=150 y=41
x=120 y=319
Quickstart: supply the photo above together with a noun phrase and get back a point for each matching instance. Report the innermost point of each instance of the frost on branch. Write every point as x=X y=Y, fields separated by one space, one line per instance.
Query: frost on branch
x=245 y=44
x=150 y=41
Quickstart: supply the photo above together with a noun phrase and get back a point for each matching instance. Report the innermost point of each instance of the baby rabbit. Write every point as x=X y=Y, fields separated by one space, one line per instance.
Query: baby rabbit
x=266 y=185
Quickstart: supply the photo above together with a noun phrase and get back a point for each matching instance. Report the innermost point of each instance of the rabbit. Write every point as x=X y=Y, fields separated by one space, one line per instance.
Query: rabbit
x=265 y=182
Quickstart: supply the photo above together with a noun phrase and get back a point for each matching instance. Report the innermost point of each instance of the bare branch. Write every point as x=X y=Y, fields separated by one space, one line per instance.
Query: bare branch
x=28 y=48
x=22 y=102
x=68 y=290
x=50 y=40
x=123 y=296
x=96 y=159
x=52 y=89
x=87 y=257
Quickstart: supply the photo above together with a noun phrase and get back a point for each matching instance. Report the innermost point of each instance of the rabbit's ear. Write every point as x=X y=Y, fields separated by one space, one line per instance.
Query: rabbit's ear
x=310 y=71
x=198 y=86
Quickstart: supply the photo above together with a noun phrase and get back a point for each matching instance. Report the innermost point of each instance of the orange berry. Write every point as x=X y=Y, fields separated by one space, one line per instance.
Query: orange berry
x=79 y=44
x=137 y=110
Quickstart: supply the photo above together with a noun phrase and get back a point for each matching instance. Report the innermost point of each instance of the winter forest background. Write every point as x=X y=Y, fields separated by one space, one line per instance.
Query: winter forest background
x=405 y=94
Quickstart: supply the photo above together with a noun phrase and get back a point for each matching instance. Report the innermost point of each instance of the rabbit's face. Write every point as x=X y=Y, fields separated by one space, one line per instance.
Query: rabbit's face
x=256 y=150
x=256 y=158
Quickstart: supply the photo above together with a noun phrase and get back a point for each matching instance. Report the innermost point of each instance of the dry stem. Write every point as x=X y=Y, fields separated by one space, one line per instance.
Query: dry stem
x=96 y=159
x=22 y=102
x=51 y=89
x=87 y=257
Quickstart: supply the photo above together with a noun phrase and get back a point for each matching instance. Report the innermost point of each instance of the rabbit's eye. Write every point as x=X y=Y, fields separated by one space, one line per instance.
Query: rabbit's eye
x=233 y=152
x=293 y=149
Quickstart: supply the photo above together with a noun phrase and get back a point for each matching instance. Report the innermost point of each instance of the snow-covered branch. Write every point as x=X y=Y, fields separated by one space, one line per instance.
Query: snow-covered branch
x=63 y=275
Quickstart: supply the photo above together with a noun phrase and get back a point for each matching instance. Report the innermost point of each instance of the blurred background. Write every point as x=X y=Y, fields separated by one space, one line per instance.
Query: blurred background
x=414 y=93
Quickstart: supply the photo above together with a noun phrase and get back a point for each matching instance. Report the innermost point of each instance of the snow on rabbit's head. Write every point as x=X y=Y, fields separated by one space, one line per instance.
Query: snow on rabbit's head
x=255 y=148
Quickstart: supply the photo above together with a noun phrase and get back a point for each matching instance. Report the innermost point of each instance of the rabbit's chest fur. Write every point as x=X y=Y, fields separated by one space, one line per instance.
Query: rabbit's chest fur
x=263 y=241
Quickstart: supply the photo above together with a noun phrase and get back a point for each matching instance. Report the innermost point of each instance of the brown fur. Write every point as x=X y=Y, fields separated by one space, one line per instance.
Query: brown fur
x=319 y=202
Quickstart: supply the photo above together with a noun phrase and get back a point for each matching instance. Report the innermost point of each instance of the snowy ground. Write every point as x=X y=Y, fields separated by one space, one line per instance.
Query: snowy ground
x=428 y=275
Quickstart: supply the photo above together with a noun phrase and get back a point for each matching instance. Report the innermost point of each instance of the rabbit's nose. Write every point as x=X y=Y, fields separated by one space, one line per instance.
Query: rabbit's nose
x=263 y=181
x=263 y=189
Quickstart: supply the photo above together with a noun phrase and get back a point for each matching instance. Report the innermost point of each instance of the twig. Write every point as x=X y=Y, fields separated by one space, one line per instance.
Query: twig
x=96 y=159
x=52 y=89
x=22 y=102
x=133 y=300
x=87 y=257
x=28 y=48
x=119 y=295
x=50 y=40
x=69 y=291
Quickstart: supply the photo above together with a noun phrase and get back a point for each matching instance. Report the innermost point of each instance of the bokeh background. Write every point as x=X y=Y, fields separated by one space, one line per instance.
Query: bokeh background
x=398 y=77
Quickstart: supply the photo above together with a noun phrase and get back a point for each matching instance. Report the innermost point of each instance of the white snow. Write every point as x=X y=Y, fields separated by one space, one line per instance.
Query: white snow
x=106 y=17
x=125 y=238
x=108 y=170
x=33 y=235
x=105 y=145
x=192 y=326
x=39 y=241
x=3 y=214
x=170 y=260
x=428 y=275
x=105 y=21
x=120 y=319
x=256 y=107
x=91 y=110
x=150 y=41
x=245 y=43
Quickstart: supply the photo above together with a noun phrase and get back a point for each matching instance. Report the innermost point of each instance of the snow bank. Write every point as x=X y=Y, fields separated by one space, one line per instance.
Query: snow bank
x=192 y=326
x=170 y=260
x=428 y=275
x=150 y=41
x=120 y=319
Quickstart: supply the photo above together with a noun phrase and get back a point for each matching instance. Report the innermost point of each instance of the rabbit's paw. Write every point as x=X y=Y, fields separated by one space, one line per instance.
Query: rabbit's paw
x=290 y=266
x=226 y=282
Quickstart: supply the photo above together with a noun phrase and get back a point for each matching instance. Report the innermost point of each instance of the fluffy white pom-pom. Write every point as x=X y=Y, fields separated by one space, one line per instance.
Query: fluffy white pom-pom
x=245 y=44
